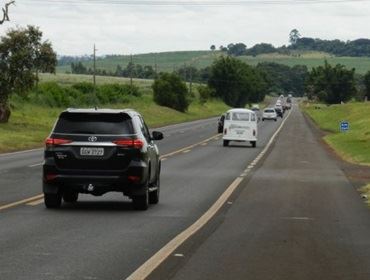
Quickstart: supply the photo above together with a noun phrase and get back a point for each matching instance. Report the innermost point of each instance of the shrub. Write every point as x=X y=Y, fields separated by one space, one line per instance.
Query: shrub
x=170 y=91
x=204 y=94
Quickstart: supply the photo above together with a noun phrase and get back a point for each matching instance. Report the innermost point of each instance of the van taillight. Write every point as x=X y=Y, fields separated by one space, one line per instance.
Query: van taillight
x=129 y=143
x=56 y=141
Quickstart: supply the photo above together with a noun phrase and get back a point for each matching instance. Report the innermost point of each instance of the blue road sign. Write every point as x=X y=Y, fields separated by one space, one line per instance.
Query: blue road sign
x=344 y=126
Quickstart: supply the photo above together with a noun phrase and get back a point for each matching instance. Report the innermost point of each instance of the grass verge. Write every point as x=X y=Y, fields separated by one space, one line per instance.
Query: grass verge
x=354 y=145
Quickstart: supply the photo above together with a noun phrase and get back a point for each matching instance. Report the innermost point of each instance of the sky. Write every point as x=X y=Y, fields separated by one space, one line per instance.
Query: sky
x=135 y=26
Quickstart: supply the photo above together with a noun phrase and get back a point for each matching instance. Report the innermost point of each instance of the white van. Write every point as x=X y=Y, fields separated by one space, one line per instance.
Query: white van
x=240 y=125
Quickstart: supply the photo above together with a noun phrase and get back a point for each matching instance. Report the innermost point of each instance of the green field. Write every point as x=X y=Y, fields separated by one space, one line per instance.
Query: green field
x=169 y=61
x=354 y=145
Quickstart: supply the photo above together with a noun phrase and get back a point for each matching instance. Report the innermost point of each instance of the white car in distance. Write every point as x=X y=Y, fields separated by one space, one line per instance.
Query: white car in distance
x=269 y=114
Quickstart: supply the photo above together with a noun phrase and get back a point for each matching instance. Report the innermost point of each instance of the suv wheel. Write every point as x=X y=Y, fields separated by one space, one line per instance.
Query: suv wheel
x=253 y=144
x=52 y=200
x=226 y=143
x=154 y=195
x=70 y=197
x=141 y=202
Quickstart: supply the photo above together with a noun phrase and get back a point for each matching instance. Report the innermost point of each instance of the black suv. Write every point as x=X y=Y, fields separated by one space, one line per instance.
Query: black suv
x=95 y=151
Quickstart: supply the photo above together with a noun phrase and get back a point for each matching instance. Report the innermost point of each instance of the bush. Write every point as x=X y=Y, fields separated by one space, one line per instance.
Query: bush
x=205 y=94
x=170 y=91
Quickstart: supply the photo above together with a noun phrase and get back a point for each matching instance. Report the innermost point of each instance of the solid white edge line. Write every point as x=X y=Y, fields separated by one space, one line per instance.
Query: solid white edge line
x=37 y=164
x=151 y=264
x=21 y=152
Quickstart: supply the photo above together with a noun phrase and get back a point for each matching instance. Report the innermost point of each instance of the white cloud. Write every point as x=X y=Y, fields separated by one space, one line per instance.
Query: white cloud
x=74 y=29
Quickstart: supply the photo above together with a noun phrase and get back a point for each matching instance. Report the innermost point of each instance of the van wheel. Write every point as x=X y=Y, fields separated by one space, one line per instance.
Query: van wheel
x=254 y=144
x=70 y=197
x=275 y=119
x=52 y=200
x=263 y=120
x=154 y=195
x=226 y=143
x=141 y=202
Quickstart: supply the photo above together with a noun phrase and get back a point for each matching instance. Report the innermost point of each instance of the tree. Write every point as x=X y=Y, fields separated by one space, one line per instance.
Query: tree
x=213 y=48
x=6 y=11
x=170 y=91
x=367 y=84
x=237 y=49
x=22 y=56
x=331 y=85
x=294 y=36
x=235 y=82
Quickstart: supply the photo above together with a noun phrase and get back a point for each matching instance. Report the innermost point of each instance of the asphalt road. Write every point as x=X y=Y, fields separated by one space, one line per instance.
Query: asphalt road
x=102 y=237
x=297 y=217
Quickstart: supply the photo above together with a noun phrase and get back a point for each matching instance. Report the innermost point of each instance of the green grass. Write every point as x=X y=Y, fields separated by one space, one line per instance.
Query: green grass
x=354 y=145
x=168 y=61
x=30 y=124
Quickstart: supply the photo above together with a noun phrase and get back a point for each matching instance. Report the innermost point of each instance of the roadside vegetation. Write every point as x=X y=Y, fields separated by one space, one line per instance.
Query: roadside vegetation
x=354 y=145
x=30 y=124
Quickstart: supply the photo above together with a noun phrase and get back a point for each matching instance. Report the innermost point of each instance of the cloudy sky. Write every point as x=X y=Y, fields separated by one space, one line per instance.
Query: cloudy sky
x=124 y=27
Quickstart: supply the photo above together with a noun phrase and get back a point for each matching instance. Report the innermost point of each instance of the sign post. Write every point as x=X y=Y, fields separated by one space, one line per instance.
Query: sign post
x=344 y=126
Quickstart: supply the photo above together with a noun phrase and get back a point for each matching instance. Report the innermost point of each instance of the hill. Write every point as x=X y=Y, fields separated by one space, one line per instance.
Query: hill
x=169 y=61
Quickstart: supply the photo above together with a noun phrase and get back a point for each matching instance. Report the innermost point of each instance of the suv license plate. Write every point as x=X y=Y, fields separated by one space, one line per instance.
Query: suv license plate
x=92 y=151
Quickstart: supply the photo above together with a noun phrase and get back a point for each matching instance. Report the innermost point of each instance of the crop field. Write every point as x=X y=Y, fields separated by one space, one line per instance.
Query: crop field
x=169 y=61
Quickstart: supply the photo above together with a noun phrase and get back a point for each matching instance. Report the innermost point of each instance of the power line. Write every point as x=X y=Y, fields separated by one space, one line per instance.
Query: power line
x=195 y=3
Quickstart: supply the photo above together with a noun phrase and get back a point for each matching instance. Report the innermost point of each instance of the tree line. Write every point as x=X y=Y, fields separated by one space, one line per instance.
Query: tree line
x=354 y=48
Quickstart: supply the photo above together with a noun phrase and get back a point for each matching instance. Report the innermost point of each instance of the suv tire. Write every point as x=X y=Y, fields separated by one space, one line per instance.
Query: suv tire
x=154 y=195
x=52 y=200
x=141 y=202
x=70 y=197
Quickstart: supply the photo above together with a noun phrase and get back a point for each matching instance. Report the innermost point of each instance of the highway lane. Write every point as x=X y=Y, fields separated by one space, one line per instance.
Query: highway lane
x=297 y=218
x=102 y=237
x=20 y=176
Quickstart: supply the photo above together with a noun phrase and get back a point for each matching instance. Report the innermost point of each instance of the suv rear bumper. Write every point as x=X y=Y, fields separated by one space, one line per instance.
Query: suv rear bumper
x=131 y=181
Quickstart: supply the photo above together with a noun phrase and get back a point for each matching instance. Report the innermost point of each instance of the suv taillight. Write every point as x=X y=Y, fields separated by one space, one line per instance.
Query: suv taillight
x=129 y=143
x=49 y=142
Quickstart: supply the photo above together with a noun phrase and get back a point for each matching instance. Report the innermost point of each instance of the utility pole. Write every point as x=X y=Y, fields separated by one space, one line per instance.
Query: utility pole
x=155 y=65
x=191 y=81
x=131 y=66
x=94 y=74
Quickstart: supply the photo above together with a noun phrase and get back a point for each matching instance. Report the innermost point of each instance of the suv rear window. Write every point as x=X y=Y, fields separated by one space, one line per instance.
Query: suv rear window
x=94 y=123
x=269 y=111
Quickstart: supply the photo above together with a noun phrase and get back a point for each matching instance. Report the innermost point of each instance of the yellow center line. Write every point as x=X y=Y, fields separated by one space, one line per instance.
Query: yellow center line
x=188 y=147
x=21 y=202
x=36 y=202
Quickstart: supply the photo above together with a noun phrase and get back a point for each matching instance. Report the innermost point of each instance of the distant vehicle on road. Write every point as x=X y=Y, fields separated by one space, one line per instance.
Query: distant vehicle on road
x=256 y=108
x=220 y=123
x=279 y=111
x=269 y=114
x=95 y=151
x=240 y=125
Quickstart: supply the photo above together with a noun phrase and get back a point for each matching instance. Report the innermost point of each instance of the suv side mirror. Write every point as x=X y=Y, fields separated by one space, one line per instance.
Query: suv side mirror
x=156 y=135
